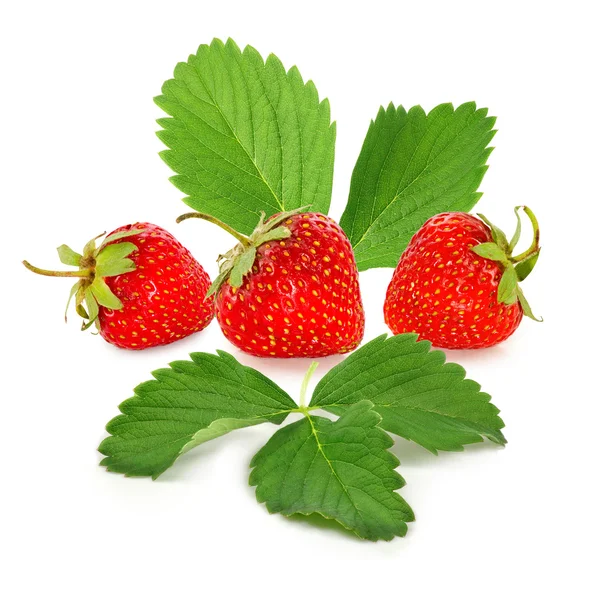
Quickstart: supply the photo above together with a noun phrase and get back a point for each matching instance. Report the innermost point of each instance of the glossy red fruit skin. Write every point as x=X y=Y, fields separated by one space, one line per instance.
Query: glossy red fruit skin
x=446 y=293
x=163 y=299
x=302 y=298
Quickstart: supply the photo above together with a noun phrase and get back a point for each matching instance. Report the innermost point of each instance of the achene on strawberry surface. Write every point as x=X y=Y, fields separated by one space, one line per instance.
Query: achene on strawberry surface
x=140 y=287
x=290 y=289
x=456 y=284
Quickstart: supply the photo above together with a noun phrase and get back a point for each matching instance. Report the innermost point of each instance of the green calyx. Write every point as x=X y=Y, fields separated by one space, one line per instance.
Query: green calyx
x=238 y=262
x=515 y=268
x=93 y=265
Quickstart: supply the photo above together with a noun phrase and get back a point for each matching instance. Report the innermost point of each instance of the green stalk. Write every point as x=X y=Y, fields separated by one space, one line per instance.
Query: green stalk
x=304 y=386
x=81 y=274
x=535 y=245
x=244 y=240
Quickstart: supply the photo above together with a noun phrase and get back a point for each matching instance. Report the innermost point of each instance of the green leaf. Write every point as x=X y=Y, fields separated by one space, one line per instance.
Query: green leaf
x=246 y=136
x=185 y=405
x=412 y=166
x=419 y=396
x=490 y=250
x=507 y=288
x=68 y=256
x=340 y=470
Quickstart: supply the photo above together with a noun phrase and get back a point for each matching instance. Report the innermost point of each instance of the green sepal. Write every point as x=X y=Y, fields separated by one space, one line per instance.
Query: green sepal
x=125 y=265
x=497 y=234
x=103 y=294
x=525 y=267
x=238 y=261
x=490 y=250
x=71 y=294
x=91 y=304
x=507 y=289
x=242 y=266
x=107 y=261
x=284 y=216
x=94 y=265
x=120 y=235
x=114 y=252
x=111 y=260
x=80 y=310
x=517 y=234
x=514 y=268
x=68 y=256
x=79 y=300
x=525 y=306
x=90 y=248
x=279 y=233
x=92 y=309
x=220 y=279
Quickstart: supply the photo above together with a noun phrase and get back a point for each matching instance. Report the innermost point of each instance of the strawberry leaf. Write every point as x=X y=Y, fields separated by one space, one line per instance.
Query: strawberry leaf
x=412 y=166
x=340 y=470
x=419 y=396
x=186 y=405
x=245 y=136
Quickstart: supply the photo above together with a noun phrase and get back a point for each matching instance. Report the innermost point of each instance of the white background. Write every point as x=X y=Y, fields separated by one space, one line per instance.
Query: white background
x=79 y=156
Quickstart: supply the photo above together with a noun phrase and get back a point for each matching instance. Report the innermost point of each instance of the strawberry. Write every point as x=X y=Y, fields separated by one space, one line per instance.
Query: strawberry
x=456 y=284
x=142 y=292
x=290 y=289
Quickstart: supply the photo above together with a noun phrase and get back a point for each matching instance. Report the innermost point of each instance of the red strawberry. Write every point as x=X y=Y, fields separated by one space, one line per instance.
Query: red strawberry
x=142 y=292
x=290 y=289
x=456 y=284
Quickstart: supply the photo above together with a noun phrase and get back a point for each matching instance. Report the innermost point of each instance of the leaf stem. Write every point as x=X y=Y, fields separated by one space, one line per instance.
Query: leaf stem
x=304 y=385
x=81 y=273
x=244 y=240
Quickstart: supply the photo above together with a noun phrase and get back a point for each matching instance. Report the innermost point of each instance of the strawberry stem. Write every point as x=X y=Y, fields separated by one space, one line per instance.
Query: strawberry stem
x=304 y=385
x=535 y=245
x=82 y=273
x=244 y=240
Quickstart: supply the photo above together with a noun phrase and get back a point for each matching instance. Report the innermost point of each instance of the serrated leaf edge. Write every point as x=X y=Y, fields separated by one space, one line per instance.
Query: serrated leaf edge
x=395 y=462
x=439 y=354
